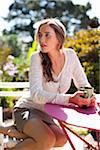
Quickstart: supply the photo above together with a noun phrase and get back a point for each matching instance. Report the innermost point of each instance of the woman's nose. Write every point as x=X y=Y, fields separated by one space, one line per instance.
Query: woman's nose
x=43 y=39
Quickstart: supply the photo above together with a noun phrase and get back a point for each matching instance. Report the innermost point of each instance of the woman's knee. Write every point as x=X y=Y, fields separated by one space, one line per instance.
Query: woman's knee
x=61 y=141
x=60 y=136
x=49 y=140
x=40 y=132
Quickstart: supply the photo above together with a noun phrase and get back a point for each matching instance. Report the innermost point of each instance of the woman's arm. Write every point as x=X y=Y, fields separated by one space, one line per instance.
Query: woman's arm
x=80 y=80
x=79 y=77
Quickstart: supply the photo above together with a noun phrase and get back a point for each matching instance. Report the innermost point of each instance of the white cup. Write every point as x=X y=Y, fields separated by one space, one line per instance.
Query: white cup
x=88 y=91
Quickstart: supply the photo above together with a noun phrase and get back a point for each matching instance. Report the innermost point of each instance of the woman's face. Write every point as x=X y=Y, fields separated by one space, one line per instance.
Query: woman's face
x=47 y=39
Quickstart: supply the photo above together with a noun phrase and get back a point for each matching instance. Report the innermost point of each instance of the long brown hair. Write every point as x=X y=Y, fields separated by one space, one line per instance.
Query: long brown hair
x=61 y=35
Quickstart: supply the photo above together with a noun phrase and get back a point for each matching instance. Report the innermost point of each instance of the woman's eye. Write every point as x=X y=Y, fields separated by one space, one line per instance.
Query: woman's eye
x=39 y=35
x=47 y=34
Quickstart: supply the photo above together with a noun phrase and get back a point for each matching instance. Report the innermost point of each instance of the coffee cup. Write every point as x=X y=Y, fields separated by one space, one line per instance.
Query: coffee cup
x=88 y=91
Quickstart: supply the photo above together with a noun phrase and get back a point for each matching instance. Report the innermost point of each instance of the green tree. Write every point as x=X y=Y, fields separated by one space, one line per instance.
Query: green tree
x=4 y=52
x=13 y=55
x=11 y=41
x=24 y=13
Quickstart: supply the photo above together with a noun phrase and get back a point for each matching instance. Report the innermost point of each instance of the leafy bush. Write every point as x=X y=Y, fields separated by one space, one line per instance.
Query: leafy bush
x=15 y=69
x=86 y=44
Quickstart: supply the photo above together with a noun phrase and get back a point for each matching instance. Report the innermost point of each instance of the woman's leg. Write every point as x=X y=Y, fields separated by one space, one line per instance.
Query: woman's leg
x=40 y=136
x=60 y=136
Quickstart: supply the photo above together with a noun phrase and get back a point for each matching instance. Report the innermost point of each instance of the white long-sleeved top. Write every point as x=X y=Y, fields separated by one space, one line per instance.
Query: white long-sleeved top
x=42 y=92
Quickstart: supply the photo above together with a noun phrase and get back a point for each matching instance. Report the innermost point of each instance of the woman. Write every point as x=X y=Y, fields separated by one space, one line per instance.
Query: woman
x=51 y=71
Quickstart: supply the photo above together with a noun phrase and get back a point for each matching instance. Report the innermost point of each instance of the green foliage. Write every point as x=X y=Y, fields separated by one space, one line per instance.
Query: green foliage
x=15 y=69
x=86 y=44
x=4 y=52
x=31 y=50
x=13 y=63
x=29 y=12
x=12 y=59
x=22 y=67
x=10 y=101
x=13 y=44
x=9 y=45
x=7 y=101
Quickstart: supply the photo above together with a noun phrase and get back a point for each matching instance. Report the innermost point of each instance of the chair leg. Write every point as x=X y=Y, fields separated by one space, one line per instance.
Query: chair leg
x=90 y=145
x=67 y=136
x=98 y=138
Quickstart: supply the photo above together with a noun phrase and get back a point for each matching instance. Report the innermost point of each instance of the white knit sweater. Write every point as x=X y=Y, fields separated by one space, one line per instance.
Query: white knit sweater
x=42 y=92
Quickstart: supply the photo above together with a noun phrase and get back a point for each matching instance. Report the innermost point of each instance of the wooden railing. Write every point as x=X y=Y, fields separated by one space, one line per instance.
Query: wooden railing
x=23 y=86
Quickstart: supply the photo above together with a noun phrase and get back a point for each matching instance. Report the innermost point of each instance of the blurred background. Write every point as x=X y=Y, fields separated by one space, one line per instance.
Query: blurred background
x=17 y=17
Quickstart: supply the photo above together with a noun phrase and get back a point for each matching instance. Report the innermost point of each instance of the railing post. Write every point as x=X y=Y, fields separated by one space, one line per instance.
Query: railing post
x=1 y=135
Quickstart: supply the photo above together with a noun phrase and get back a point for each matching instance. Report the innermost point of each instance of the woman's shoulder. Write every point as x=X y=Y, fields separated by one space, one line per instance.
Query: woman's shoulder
x=35 y=55
x=69 y=51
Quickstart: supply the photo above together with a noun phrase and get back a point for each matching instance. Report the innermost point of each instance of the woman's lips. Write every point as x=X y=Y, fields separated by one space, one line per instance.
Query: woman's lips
x=43 y=45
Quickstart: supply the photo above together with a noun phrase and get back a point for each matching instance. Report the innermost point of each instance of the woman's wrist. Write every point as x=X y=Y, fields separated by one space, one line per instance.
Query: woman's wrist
x=73 y=100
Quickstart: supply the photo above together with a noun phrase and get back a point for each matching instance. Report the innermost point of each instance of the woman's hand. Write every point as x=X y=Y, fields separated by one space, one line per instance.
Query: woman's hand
x=93 y=100
x=78 y=99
